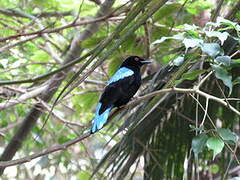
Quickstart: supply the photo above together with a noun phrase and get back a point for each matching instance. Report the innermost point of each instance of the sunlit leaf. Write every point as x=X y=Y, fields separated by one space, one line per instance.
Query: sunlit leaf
x=84 y=175
x=216 y=144
x=225 y=60
x=178 y=61
x=235 y=178
x=222 y=36
x=221 y=20
x=176 y=37
x=40 y=56
x=212 y=49
x=191 y=42
x=189 y=27
x=214 y=168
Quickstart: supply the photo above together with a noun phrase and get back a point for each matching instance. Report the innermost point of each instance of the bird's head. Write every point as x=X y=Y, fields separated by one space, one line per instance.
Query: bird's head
x=135 y=61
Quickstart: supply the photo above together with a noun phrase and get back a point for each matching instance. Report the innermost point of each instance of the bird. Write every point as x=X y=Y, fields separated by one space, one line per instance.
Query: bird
x=120 y=88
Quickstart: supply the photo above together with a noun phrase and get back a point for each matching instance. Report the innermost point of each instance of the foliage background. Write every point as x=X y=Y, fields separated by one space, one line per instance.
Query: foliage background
x=166 y=135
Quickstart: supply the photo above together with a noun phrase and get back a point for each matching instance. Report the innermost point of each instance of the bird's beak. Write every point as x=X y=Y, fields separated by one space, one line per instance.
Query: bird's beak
x=146 y=61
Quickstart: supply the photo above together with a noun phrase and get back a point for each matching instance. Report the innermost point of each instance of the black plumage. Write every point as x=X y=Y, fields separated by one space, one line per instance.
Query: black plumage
x=120 y=89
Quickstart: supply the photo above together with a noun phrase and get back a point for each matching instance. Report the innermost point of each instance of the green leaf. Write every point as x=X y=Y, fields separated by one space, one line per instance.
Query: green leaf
x=40 y=56
x=86 y=101
x=198 y=143
x=192 y=42
x=236 y=61
x=84 y=175
x=223 y=75
x=66 y=137
x=225 y=60
x=227 y=135
x=214 y=168
x=192 y=75
x=216 y=144
x=63 y=139
x=222 y=36
x=189 y=27
x=212 y=49
x=221 y=20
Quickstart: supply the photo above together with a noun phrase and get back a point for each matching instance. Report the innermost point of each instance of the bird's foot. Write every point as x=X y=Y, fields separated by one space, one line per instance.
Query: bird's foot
x=134 y=98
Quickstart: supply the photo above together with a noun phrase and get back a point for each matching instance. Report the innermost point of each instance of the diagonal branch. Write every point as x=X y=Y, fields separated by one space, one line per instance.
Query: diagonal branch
x=22 y=98
x=17 y=13
x=58 y=29
x=53 y=84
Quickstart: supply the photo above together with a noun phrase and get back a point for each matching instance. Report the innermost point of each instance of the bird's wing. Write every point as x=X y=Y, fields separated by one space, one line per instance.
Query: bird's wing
x=114 y=88
x=112 y=92
x=120 y=74
x=110 y=95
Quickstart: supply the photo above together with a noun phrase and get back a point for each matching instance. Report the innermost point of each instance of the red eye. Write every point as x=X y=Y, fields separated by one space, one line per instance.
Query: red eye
x=136 y=59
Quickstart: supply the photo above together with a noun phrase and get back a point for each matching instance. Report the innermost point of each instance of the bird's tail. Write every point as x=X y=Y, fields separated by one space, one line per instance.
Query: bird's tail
x=100 y=119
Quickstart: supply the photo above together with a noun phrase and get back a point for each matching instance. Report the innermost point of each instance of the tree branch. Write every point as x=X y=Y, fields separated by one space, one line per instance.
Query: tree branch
x=16 y=43
x=22 y=98
x=46 y=75
x=56 y=30
x=17 y=13
x=131 y=103
x=55 y=148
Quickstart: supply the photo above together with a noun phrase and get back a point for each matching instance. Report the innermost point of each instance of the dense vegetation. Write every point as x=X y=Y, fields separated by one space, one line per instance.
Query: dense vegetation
x=55 y=59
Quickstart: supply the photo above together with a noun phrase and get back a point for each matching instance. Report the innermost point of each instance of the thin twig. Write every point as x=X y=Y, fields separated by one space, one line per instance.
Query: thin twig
x=22 y=98
x=44 y=152
x=60 y=119
x=205 y=113
x=48 y=31
x=11 y=45
x=43 y=76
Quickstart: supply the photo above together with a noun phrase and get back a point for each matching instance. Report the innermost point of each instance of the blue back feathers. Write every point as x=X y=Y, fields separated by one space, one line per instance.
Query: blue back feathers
x=120 y=74
x=100 y=120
